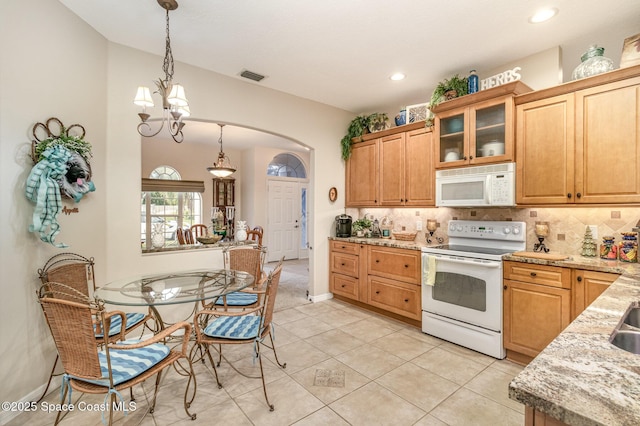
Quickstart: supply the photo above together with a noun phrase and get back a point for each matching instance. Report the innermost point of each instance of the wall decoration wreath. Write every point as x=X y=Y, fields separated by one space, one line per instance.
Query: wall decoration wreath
x=61 y=168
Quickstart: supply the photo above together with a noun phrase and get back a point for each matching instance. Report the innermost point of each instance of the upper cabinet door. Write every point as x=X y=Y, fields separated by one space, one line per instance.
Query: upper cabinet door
x=608 y=143
x=392 y=162
x=362 y=175
x=545 y=146
x=419 y=181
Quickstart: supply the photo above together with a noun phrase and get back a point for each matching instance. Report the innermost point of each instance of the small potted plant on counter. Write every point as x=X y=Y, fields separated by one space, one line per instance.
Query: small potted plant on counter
x=361 y=226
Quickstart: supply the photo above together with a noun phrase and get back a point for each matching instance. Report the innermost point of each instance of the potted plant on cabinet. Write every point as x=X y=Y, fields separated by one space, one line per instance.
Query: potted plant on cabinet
x=448 y=89
x=356 y=129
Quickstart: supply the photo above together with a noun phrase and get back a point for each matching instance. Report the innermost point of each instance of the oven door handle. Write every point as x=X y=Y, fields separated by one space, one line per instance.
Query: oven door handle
x=484 y=263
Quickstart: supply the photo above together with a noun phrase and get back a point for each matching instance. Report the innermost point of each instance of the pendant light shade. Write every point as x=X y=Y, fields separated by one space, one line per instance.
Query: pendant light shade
x=222 y=167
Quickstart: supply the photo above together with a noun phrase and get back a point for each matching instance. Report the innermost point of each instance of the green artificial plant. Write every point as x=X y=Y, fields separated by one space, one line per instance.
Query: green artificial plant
x=448 y=89
x=357 y=127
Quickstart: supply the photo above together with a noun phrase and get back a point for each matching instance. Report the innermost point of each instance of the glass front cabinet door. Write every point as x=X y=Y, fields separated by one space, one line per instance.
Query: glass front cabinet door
x=477 y=129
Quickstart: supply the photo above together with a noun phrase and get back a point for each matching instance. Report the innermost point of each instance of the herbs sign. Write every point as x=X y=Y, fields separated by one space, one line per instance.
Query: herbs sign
x=500 y=79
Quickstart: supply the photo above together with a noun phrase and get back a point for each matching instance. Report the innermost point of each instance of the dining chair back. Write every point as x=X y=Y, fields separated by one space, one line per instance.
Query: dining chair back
x=184 y=236
x=108 y=370
x=249 y=260
x=199 y=230
x=255 y=235
x=74 y=278
x=250 y=327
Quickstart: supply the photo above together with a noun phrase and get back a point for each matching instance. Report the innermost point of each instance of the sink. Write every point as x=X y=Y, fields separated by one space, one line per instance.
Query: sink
x=627 y=340
x=626 y=335
x=632 y=317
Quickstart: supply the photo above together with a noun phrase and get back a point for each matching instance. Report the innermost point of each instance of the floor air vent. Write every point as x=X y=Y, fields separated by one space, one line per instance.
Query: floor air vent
x=251 y=75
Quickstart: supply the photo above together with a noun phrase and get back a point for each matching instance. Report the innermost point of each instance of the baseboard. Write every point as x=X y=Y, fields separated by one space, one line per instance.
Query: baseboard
x=321 y=297
x=7 y=416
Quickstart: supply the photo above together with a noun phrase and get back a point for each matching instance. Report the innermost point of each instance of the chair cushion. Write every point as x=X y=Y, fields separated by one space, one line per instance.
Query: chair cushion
x=239 y=328
x=133 y=318
x=129 y=363
x=238 y=299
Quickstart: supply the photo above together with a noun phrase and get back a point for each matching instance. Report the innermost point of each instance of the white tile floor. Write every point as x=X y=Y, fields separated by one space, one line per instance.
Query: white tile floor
x=393 y=375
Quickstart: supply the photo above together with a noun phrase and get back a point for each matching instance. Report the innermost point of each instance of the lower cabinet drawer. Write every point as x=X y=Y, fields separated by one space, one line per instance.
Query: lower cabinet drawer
x=346 y=264
x=393 y=296
x=344 y=286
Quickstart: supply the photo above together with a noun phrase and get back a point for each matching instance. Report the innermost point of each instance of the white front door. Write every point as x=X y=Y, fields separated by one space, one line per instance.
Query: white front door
x=283 y=220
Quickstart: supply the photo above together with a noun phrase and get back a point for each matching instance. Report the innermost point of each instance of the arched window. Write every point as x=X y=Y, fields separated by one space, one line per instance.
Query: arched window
x=168 y=203
x=287 y=165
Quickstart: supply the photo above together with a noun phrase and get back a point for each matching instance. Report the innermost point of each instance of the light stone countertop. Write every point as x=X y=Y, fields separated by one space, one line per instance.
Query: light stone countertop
x=385 y=242
x=581 y=378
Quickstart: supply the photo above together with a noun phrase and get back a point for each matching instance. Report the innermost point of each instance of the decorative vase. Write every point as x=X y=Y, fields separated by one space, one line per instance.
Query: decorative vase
x=593 y=63
x=401 y=118
x=157 y=236
x=241 y=230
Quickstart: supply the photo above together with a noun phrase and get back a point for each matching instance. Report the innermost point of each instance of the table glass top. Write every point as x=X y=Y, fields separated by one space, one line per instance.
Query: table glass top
x=172 y=288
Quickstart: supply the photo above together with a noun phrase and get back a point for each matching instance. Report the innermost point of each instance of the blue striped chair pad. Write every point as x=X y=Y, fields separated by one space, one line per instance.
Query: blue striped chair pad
x=132 y=318
x=238 y=299
x=240 y=327
x=129 y=363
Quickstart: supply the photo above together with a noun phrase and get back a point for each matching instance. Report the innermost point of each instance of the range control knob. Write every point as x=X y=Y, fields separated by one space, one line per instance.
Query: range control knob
x=516 y=230
x=507 y=230
x=459 y=228
x=452 y=227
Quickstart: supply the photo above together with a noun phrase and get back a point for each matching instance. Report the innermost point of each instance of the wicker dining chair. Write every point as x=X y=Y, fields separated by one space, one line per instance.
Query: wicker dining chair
x=77 y=272
x=249 y=327
x=109 y=369
x=245 y=259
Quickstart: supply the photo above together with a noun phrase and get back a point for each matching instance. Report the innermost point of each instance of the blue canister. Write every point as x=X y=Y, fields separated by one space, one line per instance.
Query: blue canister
x=472 y=82
x=401 y=118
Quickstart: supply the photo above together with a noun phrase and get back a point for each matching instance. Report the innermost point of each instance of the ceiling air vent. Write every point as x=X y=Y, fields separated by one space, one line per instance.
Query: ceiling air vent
x=251 y=75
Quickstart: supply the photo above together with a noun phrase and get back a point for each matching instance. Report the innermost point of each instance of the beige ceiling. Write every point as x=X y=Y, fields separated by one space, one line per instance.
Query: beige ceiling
x=342 y=52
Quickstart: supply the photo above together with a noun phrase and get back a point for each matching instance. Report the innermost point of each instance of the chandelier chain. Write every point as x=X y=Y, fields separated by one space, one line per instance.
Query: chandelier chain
x=167 y=67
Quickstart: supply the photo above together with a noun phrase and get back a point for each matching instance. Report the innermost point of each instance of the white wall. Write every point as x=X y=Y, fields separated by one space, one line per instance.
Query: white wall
x=55 y=65
x=43 y=73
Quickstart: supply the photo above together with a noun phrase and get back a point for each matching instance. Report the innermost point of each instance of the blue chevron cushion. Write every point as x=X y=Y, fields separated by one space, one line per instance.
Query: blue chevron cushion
x=132 y=318
x=240 y=328
x=129 y=363
x=238 y=299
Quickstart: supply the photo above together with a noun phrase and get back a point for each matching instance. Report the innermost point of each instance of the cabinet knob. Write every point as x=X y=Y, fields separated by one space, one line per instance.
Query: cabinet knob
x=533 y=274
x=505 y=287
x=471 y=157
x=578 y=195
x=406 y=266
x=377 y=261
x=406 y=300
x=569 y=195
x=343 y=286
x=342 y=264
x=579 y=279
x=464 y=158
x=378 y=292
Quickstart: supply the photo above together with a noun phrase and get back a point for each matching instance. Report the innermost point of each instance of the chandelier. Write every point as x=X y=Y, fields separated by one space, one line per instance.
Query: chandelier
x=222 y=167
x=174 y=102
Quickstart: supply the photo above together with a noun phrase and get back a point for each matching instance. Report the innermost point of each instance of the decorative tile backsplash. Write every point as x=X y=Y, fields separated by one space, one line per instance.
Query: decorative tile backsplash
x=567 y=225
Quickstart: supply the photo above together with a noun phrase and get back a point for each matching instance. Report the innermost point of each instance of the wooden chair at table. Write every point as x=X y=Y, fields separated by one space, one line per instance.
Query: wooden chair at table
x=108 y=370
x=77 y=272
x=245 y=259
x=255 y=235
x=199 y=230
x=184 y=236
x=249 y=327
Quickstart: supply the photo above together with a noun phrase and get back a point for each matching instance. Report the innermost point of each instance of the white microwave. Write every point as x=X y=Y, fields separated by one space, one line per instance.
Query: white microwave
x=477 y=186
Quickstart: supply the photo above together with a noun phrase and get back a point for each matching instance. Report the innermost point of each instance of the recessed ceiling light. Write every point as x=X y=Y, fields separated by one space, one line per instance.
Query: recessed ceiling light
x=397 y=76
x=543 y=15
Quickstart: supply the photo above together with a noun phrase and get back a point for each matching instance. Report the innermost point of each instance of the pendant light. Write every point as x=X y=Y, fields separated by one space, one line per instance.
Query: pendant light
x=222 y=167
x=175 y=106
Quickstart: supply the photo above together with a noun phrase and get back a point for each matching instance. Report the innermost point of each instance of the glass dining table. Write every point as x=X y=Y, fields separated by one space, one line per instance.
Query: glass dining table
x=156 y=290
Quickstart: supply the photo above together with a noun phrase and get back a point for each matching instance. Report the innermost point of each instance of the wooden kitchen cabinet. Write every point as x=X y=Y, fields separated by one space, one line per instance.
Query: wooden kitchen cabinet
x=384 y=279
x=536 y=307
x=393 y=167
x=362 y=175
x=579 y=143
x=472 y=127
x=406 y=169
x=587 y=286
x=344 y=271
